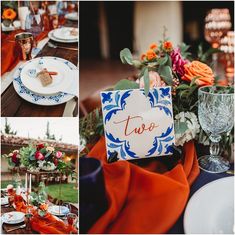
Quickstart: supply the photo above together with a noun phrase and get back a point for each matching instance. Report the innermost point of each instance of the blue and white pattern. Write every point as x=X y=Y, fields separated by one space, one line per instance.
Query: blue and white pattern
x=38 y=99
x=156 y=107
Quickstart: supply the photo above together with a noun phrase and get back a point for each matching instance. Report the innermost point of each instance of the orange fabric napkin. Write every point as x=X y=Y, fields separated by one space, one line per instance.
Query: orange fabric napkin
x=141 y=201
x=9 y=53
x=19 y=203
x=49 y=224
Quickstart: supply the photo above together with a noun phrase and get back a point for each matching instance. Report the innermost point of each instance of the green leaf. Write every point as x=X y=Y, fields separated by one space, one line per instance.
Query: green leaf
x=146 y=82
x=182 y=87
x=32 y=155
x=137 y=64
x=184 y=47
x=169 y=61
x=125 y=84
x=126 y=56
x=183 y=50
x=208 y=53
x=204 y=56
x=194 y=80
x=199 y=51
x=180 y=127
x=162 y=60
x=48 y=154
x=43 y=150
x=166 y=74
x=42 y=213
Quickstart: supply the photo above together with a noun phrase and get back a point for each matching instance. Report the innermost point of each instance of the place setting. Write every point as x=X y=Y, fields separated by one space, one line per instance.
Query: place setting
x=64 y=35
x=46 y=81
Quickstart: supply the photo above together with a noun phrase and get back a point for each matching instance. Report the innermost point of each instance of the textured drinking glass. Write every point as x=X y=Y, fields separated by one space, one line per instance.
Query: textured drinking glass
x=216 y=116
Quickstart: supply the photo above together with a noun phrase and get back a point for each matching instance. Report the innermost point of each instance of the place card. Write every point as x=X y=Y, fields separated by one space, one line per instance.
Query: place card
x=137 y=126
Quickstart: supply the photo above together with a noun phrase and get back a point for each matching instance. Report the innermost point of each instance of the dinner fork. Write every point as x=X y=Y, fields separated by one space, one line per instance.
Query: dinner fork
x=13 y=229
x=55 y=46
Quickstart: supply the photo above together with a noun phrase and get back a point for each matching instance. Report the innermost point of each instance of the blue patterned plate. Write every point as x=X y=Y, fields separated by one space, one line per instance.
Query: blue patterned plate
x=46 y=100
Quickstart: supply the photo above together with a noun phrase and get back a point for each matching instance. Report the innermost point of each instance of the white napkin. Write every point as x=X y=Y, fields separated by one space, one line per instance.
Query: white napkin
x=73 y=88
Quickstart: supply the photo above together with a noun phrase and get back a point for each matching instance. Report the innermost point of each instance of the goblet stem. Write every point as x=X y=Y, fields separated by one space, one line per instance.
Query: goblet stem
x=214 y=145
x=214 y=163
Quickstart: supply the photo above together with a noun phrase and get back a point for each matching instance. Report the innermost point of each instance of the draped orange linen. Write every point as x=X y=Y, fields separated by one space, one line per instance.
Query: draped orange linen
x=142 y=201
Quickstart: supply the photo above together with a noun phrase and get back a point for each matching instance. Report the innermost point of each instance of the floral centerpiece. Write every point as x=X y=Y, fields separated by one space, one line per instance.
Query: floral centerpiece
x=165 y=65
x=40 y=157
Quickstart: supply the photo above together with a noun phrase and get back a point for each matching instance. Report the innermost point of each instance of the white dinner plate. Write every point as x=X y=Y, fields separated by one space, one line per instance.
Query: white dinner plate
x=13 y=217
x=72 y=16
x=65 y=33
x=211 y=209
x=52 y=37
x=59 y=82
x=46 y=100
x=4 y=201
x=58 y=210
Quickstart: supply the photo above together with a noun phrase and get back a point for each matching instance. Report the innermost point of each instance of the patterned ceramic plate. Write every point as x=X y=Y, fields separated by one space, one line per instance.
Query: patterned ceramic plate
x=13 y=217
x=58 y=210
x=52 y=37
x=47 y=100
x=60 y=81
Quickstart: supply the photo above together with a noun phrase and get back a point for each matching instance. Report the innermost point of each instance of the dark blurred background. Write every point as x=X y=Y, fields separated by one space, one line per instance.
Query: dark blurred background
x=108 y=27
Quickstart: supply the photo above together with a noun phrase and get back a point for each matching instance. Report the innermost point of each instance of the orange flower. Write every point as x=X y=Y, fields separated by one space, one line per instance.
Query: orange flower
x=167 y=45
x=8 y=14
x=43 y=207
x=143 y=56
x=198 y=69
x=153 y=46
x=151 y=54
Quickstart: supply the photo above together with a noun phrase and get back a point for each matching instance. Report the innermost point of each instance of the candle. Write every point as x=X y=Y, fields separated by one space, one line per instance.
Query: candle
x=30 y=183
x=26 y=182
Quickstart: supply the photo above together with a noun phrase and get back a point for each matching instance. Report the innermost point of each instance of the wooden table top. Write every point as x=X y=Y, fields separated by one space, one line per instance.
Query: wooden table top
x=14 y=105
x=24 y=230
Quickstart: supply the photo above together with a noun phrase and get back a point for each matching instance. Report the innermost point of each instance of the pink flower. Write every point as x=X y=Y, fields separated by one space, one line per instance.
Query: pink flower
x=58 y=154
x=178 y=62
x=154 y=80
x=39 y=156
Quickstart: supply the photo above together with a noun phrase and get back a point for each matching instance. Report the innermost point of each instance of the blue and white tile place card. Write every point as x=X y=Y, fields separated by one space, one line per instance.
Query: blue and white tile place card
x=137 y=126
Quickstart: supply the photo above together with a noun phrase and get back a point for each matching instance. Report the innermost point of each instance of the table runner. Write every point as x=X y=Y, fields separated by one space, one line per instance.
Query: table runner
x=49 y=224
x=146 y=202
